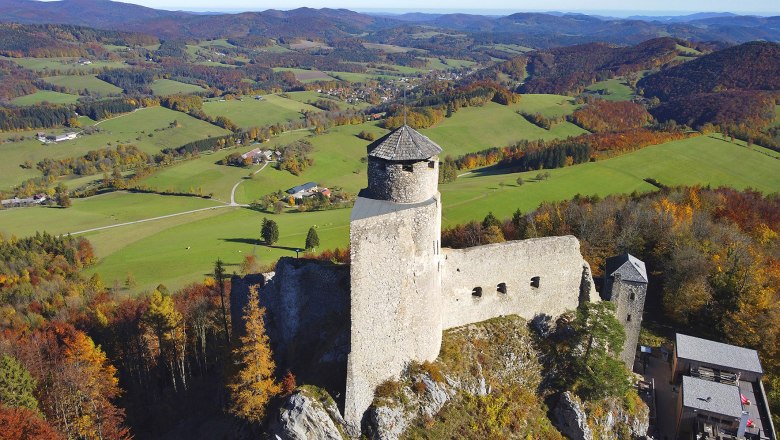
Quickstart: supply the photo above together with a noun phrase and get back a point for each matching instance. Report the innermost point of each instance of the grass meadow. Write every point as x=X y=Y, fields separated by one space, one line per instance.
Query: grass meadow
x=250 y=112
x=81 y=82
x=164 y=87
x=45 y=96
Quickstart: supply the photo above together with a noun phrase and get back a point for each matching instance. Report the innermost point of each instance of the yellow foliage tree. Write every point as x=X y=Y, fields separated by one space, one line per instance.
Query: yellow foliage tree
x=254 y=384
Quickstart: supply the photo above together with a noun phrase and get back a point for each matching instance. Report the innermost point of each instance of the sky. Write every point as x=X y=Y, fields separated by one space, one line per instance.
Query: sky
x=497 y=7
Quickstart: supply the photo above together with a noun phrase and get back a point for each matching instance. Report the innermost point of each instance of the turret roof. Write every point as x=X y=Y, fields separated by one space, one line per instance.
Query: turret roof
x=404 y=143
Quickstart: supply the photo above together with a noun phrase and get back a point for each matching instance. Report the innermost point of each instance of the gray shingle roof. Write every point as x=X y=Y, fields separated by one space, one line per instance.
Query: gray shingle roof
x=629 y=267
x=717 y=353
x=404 y=143
x=715 y=397
x=305 y=187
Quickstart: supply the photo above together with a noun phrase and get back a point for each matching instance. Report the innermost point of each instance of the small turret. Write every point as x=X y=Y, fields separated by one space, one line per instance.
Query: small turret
x=403 y=167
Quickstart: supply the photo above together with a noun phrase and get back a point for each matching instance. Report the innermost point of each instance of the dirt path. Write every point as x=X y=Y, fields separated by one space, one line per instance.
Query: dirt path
x=151 y=219
x=233 y=191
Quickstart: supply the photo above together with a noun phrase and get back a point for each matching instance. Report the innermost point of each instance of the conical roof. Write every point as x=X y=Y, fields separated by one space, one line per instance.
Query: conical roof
x=404 y=143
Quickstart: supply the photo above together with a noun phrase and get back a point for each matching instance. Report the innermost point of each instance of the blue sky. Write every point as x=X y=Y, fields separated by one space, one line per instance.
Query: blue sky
x=621 y=7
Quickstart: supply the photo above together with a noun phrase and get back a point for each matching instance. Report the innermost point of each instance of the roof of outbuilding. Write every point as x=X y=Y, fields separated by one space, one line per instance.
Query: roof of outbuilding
x=305 y=187
x=404 y=143
x=718 y=353
x=715 y=397
x=629 y=267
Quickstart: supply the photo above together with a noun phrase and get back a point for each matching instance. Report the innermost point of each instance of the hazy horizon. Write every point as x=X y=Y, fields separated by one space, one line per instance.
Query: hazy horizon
x=614 y=8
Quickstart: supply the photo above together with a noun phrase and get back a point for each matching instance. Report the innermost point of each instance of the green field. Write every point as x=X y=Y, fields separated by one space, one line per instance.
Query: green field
x=493 y=125
x=81 y=82
x=163 y=87
x=132 y=128
x=45 y=96
x=250 y=112
x=313 y=96
x=182 y=249
x=696 y=161
x=389 y=48
x=42 y=65
x=614 y=89
x=306 y=75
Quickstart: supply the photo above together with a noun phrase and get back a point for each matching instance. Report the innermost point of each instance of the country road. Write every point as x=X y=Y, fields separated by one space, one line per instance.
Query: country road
x=233 y=191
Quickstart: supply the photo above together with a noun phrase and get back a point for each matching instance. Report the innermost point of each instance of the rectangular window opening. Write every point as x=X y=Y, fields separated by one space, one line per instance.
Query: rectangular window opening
x=628 y=318
x=431 y=164
x=408 y=167
x=501 y=288
x=535 y=282
x=477 y=291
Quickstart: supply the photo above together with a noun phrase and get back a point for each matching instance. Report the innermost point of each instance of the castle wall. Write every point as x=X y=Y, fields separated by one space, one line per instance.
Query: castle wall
x=390 y=181
x=629 y=298
x=555 y=260
x=395 y=283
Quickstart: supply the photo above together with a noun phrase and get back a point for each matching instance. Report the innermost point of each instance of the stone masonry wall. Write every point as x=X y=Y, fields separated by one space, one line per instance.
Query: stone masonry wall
x=389 y=181
x=395 y=294
x=555 y=260
x=629 y=298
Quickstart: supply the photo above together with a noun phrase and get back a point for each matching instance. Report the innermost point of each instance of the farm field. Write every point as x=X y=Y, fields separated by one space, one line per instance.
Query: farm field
x=45 y=96
x=94 y=212
x=163 y=87
x=613 y=89
x=148 y=128
x=312 y=95
x=389 y=48
x=701 y=160
x=81 y=82
x=250 y=112
x=42 y=65
x=306 y=75
x=493 y=125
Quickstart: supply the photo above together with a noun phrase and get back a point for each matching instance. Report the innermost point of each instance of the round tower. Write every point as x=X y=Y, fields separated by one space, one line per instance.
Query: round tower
x=403 y=167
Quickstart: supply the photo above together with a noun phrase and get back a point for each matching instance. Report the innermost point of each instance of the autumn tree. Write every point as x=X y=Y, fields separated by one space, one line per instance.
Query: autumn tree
x=254 y=384
x=312 y=239
x=269 y=231
x=25 y=424
x=163 y=322
x=16 y=385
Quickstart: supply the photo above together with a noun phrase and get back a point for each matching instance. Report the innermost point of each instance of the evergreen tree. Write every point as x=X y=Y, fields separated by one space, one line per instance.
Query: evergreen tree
x=16 y=385
x=254 y=385
x=269 y=231
x=219 y=275
x=490 y=220
x=312 y=239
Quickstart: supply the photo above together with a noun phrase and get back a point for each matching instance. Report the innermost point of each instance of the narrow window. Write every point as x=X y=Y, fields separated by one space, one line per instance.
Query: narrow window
x=408 y=167
x=535 y=282
x=501 y=288
x=431 y=164
x=628 y=318
x=633 y=296
x=477 y=292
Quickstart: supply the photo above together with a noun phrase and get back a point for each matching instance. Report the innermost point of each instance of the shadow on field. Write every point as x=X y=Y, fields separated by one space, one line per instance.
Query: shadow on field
x=258 y=242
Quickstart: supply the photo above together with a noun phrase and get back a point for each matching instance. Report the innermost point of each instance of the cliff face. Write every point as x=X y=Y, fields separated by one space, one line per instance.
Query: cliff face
x=307 y=319
x=486 y=383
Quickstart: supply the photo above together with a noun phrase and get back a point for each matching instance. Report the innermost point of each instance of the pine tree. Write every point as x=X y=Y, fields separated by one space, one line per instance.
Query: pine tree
x=219 y=275
x=16 y=385
x=269 y=231
x=254 y=384
x=312 y=239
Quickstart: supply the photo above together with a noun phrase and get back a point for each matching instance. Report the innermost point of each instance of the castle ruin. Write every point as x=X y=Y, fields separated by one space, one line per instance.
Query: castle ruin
x=365 y=324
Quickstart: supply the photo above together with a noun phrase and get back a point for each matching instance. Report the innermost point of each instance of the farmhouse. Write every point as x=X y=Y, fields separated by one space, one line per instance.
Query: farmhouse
x=301 y=191
x=255 y=155
x=27 y=201
x=721 y=392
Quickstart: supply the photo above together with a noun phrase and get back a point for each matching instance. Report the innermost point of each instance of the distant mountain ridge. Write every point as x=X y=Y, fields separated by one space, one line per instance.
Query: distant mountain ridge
x=539 y=29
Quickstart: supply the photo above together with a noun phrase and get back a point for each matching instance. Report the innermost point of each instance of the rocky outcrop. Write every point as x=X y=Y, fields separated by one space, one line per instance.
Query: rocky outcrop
x=580 y=421
x=571 y=419
x=304 y=416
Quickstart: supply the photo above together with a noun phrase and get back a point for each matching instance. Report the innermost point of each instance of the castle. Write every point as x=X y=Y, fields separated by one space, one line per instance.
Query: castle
x=351 y=327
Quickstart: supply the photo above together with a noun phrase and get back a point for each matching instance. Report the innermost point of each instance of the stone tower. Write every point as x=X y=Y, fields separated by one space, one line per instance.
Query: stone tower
x=395 y=232
x=625 y=284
